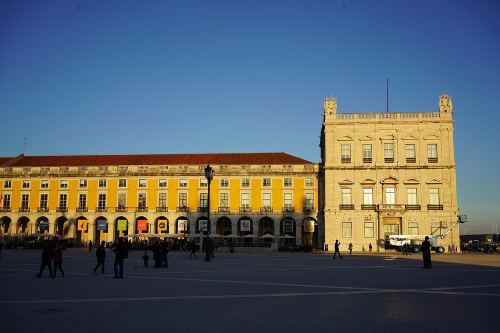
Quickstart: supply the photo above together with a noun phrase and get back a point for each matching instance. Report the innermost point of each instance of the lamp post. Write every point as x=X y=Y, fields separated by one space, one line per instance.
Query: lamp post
x=209 y=175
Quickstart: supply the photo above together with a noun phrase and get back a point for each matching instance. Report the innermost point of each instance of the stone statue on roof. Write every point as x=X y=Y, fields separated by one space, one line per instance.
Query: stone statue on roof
x=330 y=105
x=445 y=103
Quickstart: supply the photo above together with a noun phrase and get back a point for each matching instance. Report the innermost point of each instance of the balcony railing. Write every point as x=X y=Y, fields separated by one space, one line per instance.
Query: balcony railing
x=346 y=207
x=202 y=209
x=367 y=159
x=309 y=210
x=183 y=209
x=432 y=160
x=224 y=209
x=411 y=160
x=434 y=207
x=288 y=209
x=82 y=209
x=346 y=160
x=62 y=209
x=412 y=207
x=389 y=160
x=245 y=209
x=42 y=209
x=24 y=210
x=101 y=209
x=121 y=209
x=266 y=209
x=162 y=209
x=5 y=209
x=368 y=207
x=141 y=209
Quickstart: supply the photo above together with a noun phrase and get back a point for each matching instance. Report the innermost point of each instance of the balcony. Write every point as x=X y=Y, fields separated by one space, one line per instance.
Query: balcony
x=288 y=209
x=368 y=207
x=24 y=210
x=5 y=209
x=62 y=209
x=389 y=160
x=367 y=159
x=346 y=160
x=162 y=209
x=432 y=160
x=245 y=209
x=346 y=207
x=82 y=209
x=434 y=207
x=121 y=209
x=183 y=209
x=101 y=209
x=391 y=207
x=411 y=160
x=266 y=209
x=141 y=209
x=202 y=209
x=42 y=209
x=413 y=207
x=224 y=210
x=309 y=210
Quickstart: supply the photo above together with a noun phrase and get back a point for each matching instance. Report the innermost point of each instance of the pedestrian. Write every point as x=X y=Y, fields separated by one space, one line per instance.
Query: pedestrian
x=121 y=254
x=426 y=253
x=58 y=260
x=193 y=249
x=145 y=257
x=408 y=249
x=100 y=254
x=47 y=256
x=370 y=247
x=337 y=244
x=157 y=255
x=90 y=246
x=350 y=248
x=164 y=252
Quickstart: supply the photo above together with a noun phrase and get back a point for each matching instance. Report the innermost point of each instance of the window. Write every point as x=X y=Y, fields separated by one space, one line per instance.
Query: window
x=203 y=200
x=182 y=199
x=26 y=184
x=82 y=201
x=288 y=200
x=347 y=229
x=7 y=184
x=346 y=153
x=44 y=184
x=83 y=183
x=412 y=196
x=102 y=183
x=183 y=182
x=101 y=204
x=388 y=152
x=390 y=196
x=162 y=200
x=367 y=153
x=224 y=200
x=64 y=184
x=346 y=196
x=287 y=182
x=368 y=196
x=6 y=201
x=143 y=183
x=142 y=200
x=25 y=201
x=410 y=153
x=162 y=183
x=122 y=200
x=63 y=199
x=44 y=199
x=203 y=182
x=266 y=200
x=434 y=196
x=245 y=200
x=369 y=230
x=412 y=228
x=266 y=182
x=309 y=200
x=432 y=153
x=224 y=182
x=245 y=182
x=309 y=181
x=122 y=183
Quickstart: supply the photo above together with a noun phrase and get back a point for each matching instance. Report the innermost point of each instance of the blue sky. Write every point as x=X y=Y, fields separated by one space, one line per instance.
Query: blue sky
x=150 y=77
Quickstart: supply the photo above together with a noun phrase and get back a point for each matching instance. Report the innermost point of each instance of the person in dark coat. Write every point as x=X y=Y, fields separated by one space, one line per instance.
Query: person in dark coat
x=90 y=246
x=337 y=244
x=164 y=252
x=100 y=254
x=47 y=256
x=157 y=255
x=58 y=260
x=193 y=249
x=426 y=253
x=121 y=253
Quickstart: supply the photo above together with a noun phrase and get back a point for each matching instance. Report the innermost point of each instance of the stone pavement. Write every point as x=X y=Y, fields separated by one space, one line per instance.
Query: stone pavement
x=242 y=292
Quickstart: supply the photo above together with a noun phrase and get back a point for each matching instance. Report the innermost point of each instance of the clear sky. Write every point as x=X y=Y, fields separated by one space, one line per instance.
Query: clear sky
x=161 y=77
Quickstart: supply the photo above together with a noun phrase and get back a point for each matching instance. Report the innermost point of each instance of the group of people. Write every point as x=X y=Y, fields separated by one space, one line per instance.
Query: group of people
x=49 y=254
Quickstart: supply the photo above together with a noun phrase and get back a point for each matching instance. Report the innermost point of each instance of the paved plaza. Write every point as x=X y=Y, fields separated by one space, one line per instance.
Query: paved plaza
x=253 y=292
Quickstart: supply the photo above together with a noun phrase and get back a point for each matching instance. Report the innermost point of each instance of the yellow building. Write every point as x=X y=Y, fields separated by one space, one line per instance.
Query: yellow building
x=387 y=174
x=82 y=198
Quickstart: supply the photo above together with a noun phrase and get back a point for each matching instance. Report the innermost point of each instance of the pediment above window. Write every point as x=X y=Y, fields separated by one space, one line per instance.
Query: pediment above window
x=411 y=181
x=346 y=182
x=345 y=138
x=410 y=137
x=388 y=137
x=433 y=181
x=368 y=182
x=366 y=138
x=389 y=180
x=432 y=137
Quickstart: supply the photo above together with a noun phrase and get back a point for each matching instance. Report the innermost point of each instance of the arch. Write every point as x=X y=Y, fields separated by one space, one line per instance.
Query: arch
x=81 y=230
x=180 y=223
x=346 y=182
x=22 y=226
x=121 y=228
x=161 y=225
x=5 y=223
x=101 y=230
x=309 y=230
x=245 y=226
x=141 y=224
x=266 y=225
x=61 y=227
x=224 y=226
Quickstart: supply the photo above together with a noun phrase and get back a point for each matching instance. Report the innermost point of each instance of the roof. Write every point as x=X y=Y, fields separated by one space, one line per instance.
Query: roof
x=158 y=159
x=4 y=160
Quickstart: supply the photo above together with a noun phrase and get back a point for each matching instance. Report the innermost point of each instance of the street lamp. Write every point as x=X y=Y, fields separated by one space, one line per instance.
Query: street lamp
x=209 y=175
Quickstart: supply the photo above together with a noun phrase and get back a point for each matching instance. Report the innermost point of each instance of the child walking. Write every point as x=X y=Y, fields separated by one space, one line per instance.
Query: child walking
x=145 y=257
x=58 y=260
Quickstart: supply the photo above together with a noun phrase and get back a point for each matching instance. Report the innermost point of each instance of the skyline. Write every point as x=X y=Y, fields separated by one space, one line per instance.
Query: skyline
x=92 y=78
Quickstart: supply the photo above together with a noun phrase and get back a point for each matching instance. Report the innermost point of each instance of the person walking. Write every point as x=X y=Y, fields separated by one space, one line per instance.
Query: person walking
x=58 y=260
x=145 y=257
x=47 y=255
x=164 y=252
x=193 y=249
x=426 y=253
x=337 y=244
x=350 y=248
x=157 y=255
x=370 y=247
x=121 y=253
x=100 y=254
x=90 y=246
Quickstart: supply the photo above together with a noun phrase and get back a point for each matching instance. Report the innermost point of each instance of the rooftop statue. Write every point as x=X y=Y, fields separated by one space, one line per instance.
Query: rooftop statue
x=445 y=103
x=330 y=105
